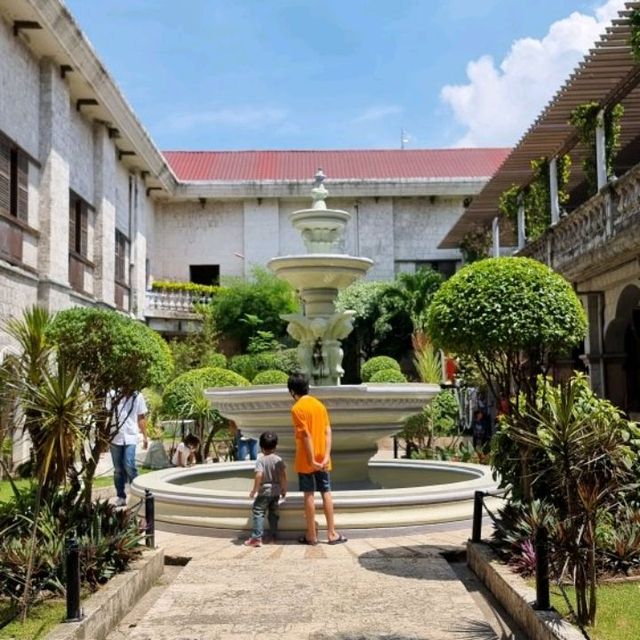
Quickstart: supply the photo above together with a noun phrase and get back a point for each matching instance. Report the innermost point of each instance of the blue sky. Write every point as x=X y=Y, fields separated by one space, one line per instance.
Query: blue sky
x=299 y=74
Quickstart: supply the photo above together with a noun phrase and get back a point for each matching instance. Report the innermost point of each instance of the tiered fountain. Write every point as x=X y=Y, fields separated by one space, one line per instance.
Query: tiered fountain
x=367 y=494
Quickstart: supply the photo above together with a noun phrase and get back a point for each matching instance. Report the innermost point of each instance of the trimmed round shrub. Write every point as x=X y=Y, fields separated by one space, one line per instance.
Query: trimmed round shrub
x=181 y=390
x=111 y=350
x=249 y=365
x=218 y=360
x=379 y=363
x=271 y=376
x=388 y=375
x=506 y=305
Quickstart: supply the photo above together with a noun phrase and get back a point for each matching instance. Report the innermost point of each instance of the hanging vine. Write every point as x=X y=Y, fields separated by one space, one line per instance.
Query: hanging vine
x=536 y=197
x=585 y=119
x=476 y=244
x=634 y=39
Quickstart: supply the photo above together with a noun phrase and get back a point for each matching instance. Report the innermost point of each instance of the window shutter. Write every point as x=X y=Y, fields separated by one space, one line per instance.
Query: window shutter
x=23 y=188
x=5 y=178
x=72 y=224
x=84 y=232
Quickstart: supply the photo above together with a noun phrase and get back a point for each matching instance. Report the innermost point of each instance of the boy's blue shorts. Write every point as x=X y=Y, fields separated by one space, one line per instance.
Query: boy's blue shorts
x=318 y=481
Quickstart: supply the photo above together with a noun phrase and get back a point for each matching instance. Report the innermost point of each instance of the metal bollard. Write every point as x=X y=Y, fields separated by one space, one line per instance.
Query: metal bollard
x=149 y=517
x=542 y=569
x=74 y=612
x=476 y=530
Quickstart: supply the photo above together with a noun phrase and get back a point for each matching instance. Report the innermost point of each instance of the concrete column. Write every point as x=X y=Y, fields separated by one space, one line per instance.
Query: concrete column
x=261 y=232
x=522 y=232
x=53 y=209
x=594 y=341
x=104 y=161
x=495 y=234
x=601 y=160
x=553 y=190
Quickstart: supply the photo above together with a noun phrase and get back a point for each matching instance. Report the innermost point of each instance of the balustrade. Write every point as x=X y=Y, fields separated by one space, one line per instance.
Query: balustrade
x=597 y=224
x=174 y=301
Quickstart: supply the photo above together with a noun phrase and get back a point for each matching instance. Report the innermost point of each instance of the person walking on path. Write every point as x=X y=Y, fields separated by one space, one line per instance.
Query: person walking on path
x=312 y=431
x=269 y=488
x=130 y=417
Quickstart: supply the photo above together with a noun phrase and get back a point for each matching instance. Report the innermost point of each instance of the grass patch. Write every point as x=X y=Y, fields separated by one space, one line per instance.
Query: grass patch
x=42 y=618
x=6 y=492
x=618 y=613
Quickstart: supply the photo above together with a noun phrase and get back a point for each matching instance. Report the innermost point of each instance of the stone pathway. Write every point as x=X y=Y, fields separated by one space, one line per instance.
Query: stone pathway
x=398 y=588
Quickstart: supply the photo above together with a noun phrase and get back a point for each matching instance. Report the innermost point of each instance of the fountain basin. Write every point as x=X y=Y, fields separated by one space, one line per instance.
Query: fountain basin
x=320 y=270
x=360 y=416
x=214 y=499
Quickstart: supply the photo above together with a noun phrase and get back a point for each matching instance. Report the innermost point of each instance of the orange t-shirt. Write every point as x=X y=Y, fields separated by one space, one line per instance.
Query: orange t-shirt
x=310 y=415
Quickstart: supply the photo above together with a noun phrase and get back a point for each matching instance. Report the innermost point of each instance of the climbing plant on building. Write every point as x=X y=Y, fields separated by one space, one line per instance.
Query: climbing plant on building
x=585 y=119
x=536 y=196
x=475 y=244
x=634 y=38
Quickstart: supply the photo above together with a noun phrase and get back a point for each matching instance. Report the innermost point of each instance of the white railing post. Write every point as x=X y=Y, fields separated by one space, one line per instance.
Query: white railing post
x=522 y=231
x=495 y=234
x=601 y=160
x=553 y=190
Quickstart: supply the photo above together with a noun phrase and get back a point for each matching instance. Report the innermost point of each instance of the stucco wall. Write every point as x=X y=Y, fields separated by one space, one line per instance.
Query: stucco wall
x=19 y=79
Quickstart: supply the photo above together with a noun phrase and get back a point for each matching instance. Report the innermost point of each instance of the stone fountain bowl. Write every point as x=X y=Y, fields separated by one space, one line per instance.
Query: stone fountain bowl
x=213 y=499
x=360 y=416
x=320 y=270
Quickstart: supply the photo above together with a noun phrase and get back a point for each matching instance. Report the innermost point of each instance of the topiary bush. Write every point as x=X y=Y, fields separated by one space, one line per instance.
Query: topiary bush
x=213 y=359
x=179 y=392
x=379 y=363
x=249 y=365
x=388 y=375
x=271 y=376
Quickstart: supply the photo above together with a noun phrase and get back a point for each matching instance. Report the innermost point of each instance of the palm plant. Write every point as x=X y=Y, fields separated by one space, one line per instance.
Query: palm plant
x=426 y=359
x=585 y=453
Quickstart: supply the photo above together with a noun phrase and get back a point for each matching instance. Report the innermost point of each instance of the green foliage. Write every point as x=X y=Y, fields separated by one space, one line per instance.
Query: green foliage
x=109 y=539
x=476 y=244
x=111 y=350
x=204 y=290
x=585 y=119
x=380 y=324
x=271 y=376
x=536 y=197
x=586 y=453
x=412 y=292
x=249 y=365
x=427 y=361
x=634 y=40
x=263 y=296
x=379 y=363
x=178 y=394
x=509 y=314
x=392 y=376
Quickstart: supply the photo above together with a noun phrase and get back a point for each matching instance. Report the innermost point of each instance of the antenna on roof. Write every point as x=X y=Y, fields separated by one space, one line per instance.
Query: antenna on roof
x=404 y=138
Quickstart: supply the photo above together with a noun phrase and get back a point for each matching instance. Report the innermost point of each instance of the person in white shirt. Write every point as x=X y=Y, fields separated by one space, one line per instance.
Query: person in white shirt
x=131 y=418
x=185 y=453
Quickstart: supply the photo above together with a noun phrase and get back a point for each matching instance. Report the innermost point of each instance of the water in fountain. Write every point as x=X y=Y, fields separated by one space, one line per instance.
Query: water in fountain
x=368 y=494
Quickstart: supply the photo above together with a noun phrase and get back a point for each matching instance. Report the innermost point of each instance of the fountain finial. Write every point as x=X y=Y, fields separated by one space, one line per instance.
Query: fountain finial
x=319 y=191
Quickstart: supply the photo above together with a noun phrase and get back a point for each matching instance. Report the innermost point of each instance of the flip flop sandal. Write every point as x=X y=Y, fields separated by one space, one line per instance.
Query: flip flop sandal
x=339 y=540
x=303 y=540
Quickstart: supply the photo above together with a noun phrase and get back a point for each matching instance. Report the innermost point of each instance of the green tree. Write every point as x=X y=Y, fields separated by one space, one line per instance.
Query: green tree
x=241 y=301
x=511 y=317
x=115 y=356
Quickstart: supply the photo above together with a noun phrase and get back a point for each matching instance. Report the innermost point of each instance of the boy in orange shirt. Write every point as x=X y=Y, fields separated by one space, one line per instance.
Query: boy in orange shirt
x=313 y=457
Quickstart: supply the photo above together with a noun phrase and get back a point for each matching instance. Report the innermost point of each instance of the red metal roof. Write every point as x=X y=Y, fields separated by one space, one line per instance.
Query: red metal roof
x=360 y=164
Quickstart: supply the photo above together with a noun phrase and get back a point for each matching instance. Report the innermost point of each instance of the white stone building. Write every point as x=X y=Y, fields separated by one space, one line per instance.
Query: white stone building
x=91 y=210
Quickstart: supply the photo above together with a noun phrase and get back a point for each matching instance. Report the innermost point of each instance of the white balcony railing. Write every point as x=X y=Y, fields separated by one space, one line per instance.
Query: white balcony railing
x=174 y=301
x=598 y=234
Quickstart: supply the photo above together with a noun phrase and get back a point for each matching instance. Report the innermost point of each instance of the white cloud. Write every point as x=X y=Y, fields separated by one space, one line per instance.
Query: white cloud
x=377 y=112
x=244 y=117
x=499 y=102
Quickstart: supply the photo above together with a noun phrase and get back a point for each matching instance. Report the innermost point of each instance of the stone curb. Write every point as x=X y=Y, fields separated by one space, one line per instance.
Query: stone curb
x=104 y=609
x=517 y=597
